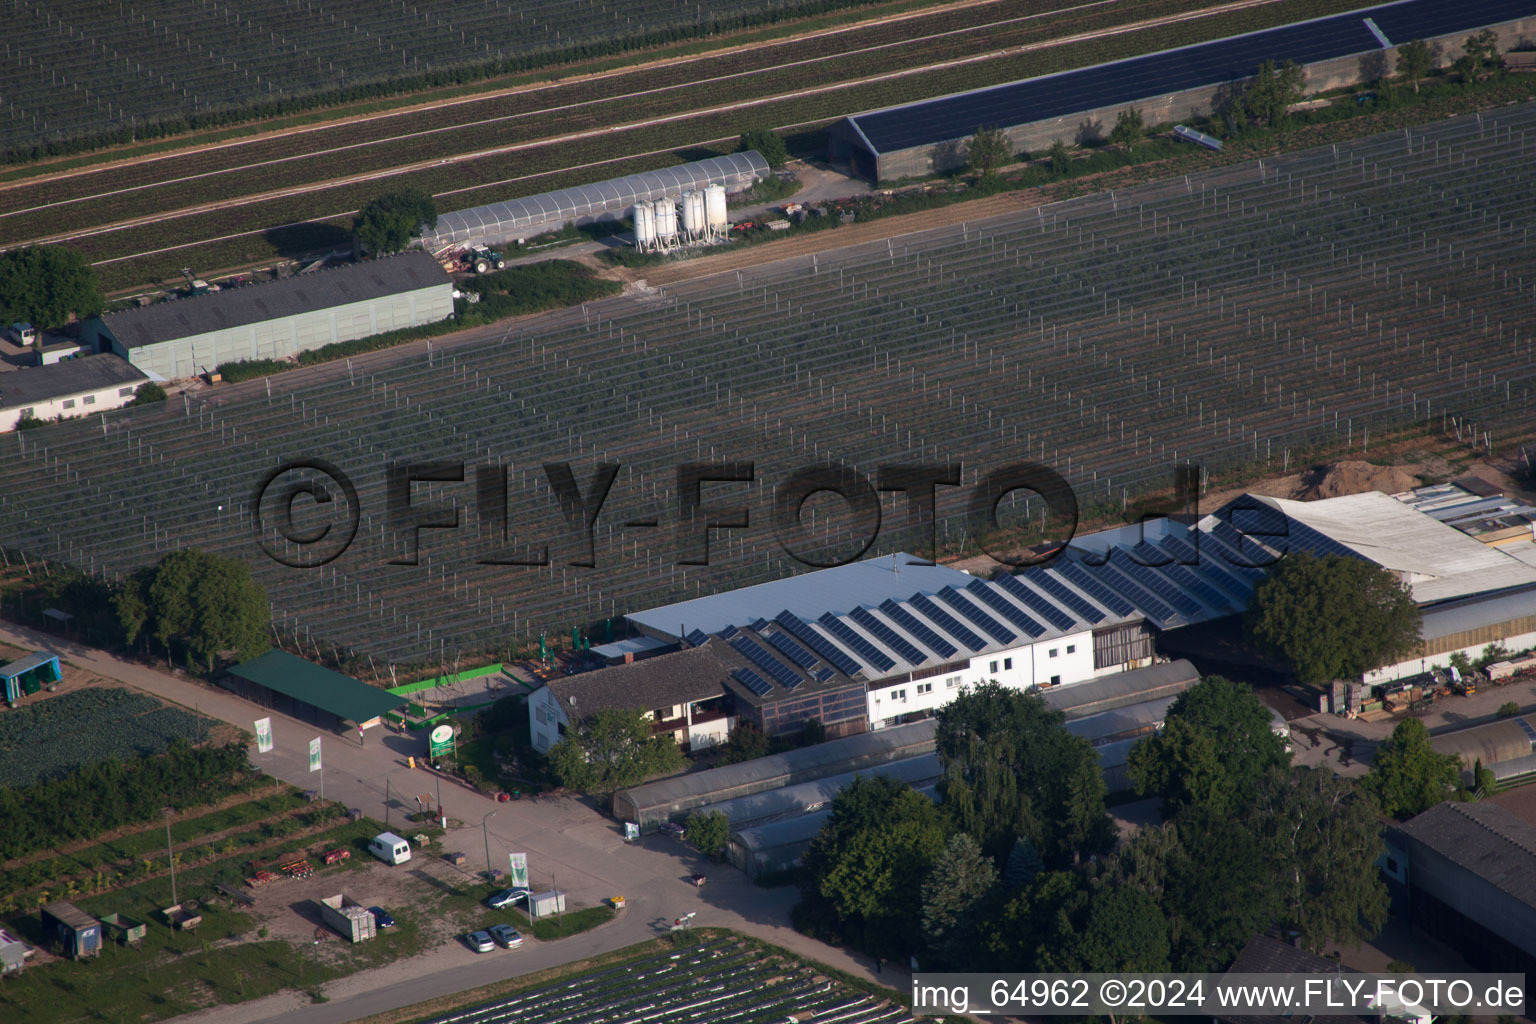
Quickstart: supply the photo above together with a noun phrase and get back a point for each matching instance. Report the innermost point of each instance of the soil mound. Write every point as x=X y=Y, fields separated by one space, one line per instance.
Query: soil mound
x=1353 y=477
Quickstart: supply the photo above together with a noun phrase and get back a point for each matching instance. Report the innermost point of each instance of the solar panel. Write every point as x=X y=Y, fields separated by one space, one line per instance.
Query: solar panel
x=888 y=636
x=1085 y=581
x=947 y=622
x=697 y=637
x=1180 y=549
x=752 y=681
x=830 y=652
x=1318 y=543
x=727 y=632
x=776 y=669
x=759 y=625
x=1206 y=567
x=823 y=674
x=990 y=626
x=907 y=621
x=1000 y=604
x=858 y=645
x=1199 y=587
x=1046 y=610
x=1057 y=589
x=1158 y=584
x=1212 y=543
x=1249 y=551
x=1135 y=592
x=791 y=650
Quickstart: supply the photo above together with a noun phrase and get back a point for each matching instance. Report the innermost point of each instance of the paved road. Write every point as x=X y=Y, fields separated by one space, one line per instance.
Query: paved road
x=570 y=845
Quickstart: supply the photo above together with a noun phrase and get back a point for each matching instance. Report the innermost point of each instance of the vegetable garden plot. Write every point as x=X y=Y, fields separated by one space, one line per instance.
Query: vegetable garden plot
x=1222 y=320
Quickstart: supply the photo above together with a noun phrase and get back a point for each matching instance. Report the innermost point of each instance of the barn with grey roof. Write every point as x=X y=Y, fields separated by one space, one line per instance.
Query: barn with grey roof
x=277 y=319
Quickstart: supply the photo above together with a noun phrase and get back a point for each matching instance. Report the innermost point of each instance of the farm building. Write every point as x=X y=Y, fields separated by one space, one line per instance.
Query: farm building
x=72 y=928
x=1126 y=690
x=778 y=845
x=277 y=319
x=928 y=136
x=75 y=387
x=1466 y=874
x=809 y=797
x=309 y=692
x=518 y=220
x=1507 y=747
x=655 y=802
x=28 y=674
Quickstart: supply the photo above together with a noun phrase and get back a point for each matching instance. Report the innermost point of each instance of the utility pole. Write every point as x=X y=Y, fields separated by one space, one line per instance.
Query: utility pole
x=169 y=857
x=485 y=829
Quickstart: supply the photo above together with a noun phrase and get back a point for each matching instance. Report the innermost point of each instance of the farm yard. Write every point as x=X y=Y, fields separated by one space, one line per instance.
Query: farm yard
x=1235 y=318
x=719 y=980
x=509 y=145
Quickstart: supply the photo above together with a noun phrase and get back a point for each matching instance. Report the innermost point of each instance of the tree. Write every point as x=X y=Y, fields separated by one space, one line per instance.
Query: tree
x=1479 y=55
x=1333 y=617
x=1129 y=129
x=1216 y=743
x=745 y=743
x=47 y=286
x=708 y=832
x=148 y=394
x=868 y=862
x=1012 y=770
x=770 y=145
x=1414 y=60
x=1037 y=930
x=611 y=749
x=1324 y=835
x=988 y=150
x=1123 y=931
x=387 y=224
x=1409 y=776
x=1023 y=866
x=201 y=603
x=1220 y=891
x=955 y=899
x=1060 y=159
x=1272 y=89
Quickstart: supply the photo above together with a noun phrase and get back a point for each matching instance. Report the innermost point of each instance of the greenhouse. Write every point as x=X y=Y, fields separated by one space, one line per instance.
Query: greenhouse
x=521 y=219
x=809 y=797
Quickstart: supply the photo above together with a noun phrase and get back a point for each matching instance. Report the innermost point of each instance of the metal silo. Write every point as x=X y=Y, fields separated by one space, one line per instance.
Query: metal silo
x=645 y=226
x=714 y=210
x=666 y=222
x=693 y=214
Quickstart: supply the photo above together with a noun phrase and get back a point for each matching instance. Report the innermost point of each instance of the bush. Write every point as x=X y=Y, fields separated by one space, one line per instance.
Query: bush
x=1509 y=709
x=768 y=143
x=148 y=394
x=538 y=286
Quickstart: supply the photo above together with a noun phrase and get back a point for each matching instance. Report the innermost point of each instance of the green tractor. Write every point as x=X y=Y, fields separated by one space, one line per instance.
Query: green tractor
x=481 y=259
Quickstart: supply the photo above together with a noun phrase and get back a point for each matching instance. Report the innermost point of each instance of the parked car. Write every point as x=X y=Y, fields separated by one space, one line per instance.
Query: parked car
x=506 y=935
x=480 y=942
x=506 y=898
x=672 y=828
x=381 y=917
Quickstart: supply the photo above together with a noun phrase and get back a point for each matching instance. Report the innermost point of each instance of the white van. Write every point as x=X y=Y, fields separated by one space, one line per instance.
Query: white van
x=390 y=848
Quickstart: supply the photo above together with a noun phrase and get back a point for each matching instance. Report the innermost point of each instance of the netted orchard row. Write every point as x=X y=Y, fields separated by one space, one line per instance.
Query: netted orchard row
x=1216 y=321
x=78 y=66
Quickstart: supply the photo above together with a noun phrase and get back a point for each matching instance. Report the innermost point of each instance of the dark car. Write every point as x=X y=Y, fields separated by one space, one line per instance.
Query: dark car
x=381 y=917
x=506 y=898
x=672 y=828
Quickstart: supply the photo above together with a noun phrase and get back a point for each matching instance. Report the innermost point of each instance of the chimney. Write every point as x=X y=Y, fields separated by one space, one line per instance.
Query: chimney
x=629 y=657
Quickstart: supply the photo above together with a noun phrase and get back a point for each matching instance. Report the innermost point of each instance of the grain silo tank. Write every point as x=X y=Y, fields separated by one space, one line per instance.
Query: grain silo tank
x=693 y=213
x=666 y=221
x=714 y=209
x=645 y=225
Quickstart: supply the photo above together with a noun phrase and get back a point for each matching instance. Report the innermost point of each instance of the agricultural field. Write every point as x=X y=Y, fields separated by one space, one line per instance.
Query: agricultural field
x=500 y=147
x=49 y=738
x=1236 y=319
x=722 y=980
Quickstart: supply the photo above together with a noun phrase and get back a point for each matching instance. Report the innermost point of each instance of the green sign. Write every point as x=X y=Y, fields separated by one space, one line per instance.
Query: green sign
x=314 y=754
x=440 y=741
x=518 y=863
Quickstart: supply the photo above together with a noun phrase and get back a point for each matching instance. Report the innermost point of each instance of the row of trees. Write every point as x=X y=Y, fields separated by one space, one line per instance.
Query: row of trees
x=1014 y=870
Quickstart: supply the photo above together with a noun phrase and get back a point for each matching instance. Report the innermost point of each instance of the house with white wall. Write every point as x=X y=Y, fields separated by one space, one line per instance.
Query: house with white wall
x=75 y=387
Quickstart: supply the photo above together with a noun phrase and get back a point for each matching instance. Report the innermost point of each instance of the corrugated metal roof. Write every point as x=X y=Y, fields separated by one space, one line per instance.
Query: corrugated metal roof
x=1491 y=744
x=1106 y=693
x=533 y=214
x=679 y=678
x=809 y=797
x=315 y=685
x=72 y=377
x=1460 y=616
x=1133 y=718
x=799 y=830
x=27 y=663
x=271 y=300
x=1484 y=839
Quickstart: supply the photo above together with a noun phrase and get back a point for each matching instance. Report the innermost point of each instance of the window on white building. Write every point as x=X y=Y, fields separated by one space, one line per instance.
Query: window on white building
x=1071 y=648
x=923 y=688
x=899 y=695
x=952 y=682
x=125 y=392
x=1053 y=652
x=88 y=400
x=69 y=403
x=1055 y=680
x=993 y=669
x=1007 y=664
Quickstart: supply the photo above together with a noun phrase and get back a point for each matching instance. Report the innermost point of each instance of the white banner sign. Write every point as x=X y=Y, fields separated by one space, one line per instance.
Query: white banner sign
x=314 y=754
x=264 y=736
x=518 y=862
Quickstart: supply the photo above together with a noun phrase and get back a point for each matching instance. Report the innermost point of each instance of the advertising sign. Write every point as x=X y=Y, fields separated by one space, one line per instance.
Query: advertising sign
x=631 y=831
x=314 y=754
x=518 y=863
x=264 y=736
x=440 y=741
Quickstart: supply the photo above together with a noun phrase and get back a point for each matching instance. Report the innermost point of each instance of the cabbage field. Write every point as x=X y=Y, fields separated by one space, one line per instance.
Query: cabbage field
x=50 y=738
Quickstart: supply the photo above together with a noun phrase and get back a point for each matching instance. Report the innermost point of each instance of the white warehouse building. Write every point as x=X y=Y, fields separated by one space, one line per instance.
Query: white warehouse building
x=75 y=387
x=277 y=319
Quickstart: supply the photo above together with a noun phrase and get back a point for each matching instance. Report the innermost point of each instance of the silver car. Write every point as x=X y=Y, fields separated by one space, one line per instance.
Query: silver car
x=505 y=935
x=480 y=942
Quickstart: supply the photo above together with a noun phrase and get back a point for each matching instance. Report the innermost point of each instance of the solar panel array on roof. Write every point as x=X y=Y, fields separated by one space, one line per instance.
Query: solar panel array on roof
x=776 y=669
x=829 y=651
x=1088 y=584
x=727 y=632
x=1053 y=586
x=1243 y=551
x=947 y=622
x=907 y=621
x=996 y=630
x=1000 y=604
x=791 y=650
x=1206 y=562
x=1318 y=543
x=1158 y=584
x=1171 y=71
x=823 y=674
x=697 y=637
x=1193 y=583
x=888 y=636
x=1048 y=611
x=1133 y=592
x=752 y=681
x=857 y=644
